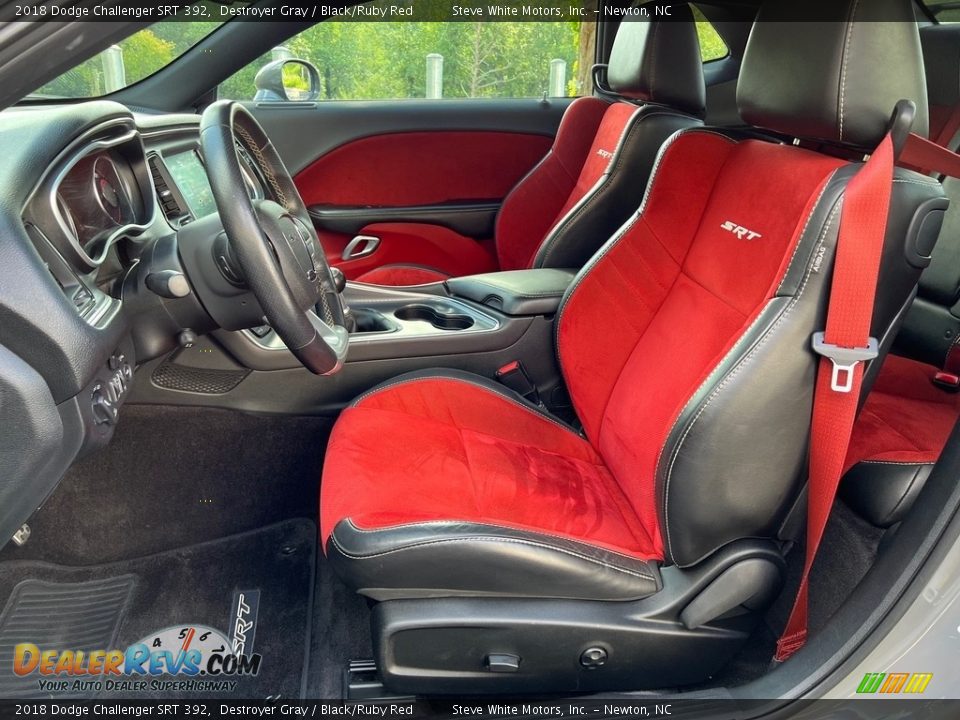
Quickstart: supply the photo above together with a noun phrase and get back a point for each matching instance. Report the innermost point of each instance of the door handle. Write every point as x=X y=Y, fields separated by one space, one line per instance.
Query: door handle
x=360 y=246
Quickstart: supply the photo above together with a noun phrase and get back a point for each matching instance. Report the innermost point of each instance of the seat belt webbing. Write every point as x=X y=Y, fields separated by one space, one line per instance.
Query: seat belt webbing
x=846 y=344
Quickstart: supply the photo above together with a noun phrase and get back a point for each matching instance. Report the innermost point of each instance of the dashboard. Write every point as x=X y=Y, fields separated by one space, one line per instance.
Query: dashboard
x=92 y=199
x=181 y=183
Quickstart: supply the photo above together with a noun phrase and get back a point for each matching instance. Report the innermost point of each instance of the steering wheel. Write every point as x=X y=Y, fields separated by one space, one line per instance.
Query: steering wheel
x=274 y=240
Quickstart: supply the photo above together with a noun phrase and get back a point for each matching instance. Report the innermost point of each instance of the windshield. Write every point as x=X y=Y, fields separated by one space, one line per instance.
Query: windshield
x=129 y=61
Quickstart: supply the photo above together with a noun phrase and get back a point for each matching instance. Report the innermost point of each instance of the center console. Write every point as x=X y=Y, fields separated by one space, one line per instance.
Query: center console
x=478 y=324
x=474 y=314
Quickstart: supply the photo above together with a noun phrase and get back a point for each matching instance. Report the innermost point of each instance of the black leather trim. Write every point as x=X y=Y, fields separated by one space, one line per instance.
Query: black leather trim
x=883 y=492
x=836 y=79
x=515 y=292
x=580 y=233
x=471 y=219
x=659 y=61
x=448 y=558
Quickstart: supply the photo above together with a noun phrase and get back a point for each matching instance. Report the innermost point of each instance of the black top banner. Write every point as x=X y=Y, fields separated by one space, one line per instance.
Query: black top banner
x=390 y=11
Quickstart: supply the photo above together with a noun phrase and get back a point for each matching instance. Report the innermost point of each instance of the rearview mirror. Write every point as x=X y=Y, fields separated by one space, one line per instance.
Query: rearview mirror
x=287 y=81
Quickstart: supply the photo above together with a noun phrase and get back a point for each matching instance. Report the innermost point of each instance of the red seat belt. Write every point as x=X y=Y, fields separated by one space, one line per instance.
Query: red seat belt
x=926 y=154
x=950 y=128
x=846 y=343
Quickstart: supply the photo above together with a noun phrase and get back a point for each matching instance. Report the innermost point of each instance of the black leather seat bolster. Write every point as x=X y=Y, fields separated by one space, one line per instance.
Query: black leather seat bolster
x=515 y=292
x=883 y=492
x=447 y=558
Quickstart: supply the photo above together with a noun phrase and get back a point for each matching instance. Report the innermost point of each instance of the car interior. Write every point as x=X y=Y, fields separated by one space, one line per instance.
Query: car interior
x=484 y=397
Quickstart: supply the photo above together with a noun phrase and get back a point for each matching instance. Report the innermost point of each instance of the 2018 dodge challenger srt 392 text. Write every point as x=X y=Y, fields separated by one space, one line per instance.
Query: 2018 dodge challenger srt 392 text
x=535 y=359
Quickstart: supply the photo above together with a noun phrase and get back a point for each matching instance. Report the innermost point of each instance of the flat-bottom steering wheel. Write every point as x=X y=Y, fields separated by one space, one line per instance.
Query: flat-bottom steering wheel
x=274 y=240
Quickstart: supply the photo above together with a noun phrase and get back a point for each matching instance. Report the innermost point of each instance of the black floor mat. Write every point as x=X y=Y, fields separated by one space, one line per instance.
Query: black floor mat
x=178 y=589
x=176 y=476
x=81 y=616
x=341 y=633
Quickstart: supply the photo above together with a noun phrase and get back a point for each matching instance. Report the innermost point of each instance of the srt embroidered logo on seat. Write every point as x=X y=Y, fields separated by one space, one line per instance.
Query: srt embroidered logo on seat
x=605 y=154
x=740 y=231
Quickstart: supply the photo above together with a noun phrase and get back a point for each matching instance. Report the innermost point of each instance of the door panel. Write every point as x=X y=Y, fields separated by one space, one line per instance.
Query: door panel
x=421 y=168
x=302 y=132
x=418 y=244
x=428 y=176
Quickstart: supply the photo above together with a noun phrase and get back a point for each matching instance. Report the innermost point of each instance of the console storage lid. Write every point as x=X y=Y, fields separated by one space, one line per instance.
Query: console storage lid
x=515 y=292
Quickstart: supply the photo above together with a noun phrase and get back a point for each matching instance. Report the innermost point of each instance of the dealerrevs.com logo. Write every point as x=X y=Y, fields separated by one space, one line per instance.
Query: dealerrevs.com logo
x=190 y=652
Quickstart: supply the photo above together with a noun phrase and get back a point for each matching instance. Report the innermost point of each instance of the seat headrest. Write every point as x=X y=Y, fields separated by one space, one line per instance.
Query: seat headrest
x=659 y=61
x=941 y=56
x=837 y=77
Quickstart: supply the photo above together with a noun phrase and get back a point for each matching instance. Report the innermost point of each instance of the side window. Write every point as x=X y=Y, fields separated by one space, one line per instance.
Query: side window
x=355 y=60
x=712 y=46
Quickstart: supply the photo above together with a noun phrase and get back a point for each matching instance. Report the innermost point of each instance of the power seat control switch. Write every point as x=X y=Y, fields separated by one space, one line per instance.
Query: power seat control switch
x=502 y=663
x=593 y=658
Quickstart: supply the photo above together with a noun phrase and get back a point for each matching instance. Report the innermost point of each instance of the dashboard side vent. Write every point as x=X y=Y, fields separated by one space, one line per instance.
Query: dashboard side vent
x=172 y=205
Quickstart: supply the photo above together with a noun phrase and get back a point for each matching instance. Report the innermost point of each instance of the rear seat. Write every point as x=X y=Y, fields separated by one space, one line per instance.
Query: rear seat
x=907 y=418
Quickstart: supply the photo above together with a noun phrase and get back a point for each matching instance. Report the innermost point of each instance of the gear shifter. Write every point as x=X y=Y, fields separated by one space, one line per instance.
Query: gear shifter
x=339 y=283
x=339 y=279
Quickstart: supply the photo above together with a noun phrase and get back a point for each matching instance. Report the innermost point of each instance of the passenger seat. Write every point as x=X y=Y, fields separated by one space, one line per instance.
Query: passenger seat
x=907 y=419
x=595 y=174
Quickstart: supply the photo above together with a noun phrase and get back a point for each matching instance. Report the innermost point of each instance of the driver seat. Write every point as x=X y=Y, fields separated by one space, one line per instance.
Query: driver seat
x=509 y=552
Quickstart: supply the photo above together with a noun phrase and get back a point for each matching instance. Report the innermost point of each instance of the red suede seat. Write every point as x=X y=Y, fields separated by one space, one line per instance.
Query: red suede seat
x=901 y=430
x=490 y=460
x=906 y=418
x=454 y=452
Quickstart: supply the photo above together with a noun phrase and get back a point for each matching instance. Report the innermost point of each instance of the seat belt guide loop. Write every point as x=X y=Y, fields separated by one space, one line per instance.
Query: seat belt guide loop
x=845 y=360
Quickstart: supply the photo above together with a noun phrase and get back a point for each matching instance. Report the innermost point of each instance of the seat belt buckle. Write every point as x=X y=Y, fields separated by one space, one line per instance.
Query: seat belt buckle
x=515 y=377
x=845 y=360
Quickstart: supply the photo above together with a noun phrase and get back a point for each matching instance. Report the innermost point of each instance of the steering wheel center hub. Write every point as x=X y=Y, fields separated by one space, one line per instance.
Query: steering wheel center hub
x=296 y=249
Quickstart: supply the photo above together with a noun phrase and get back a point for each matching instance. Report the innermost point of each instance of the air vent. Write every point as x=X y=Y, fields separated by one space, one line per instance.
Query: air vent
x=172 y=208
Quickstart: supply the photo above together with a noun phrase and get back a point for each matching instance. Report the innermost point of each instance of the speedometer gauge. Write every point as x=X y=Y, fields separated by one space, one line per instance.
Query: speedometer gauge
x=96 y=192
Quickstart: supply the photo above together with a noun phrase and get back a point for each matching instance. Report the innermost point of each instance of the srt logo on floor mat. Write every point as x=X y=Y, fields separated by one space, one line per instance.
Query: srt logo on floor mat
x=740 y=231
x=246 y=607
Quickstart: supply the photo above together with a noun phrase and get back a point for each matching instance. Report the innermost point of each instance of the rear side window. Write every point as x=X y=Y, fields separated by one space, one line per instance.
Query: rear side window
x=945 y=11
x=356 y=60
x=712 y=46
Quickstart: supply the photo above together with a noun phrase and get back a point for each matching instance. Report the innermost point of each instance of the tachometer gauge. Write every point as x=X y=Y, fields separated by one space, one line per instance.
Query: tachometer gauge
x=110 y=191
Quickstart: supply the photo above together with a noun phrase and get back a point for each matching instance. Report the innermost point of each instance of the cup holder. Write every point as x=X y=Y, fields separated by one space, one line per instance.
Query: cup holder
x=440 y=318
